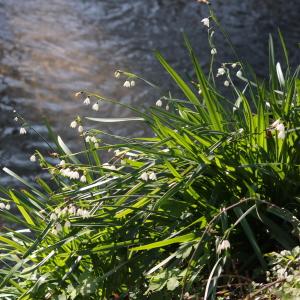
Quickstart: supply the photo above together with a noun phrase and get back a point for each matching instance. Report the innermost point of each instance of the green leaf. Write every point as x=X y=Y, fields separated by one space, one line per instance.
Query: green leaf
x=250 y=235
x=114 y=120
x=172 y=283
x=13 y=244
x=179 y=239
x=22 y=209
x=67 y=150
x=32 y=188
x=181 y=84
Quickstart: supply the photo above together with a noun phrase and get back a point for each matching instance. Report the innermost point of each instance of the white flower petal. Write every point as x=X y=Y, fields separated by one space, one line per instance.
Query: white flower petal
x=213 y=51
x=280 y=127
x=95 y=107
x=62 y=163
x=224 y=245
x=158 y=103
x=221 y=71
x=23 y=130
x=33 y=158
x=281 y=135
x=152 y=176
x=73 y=124
x=126 y=84
x=144 y=176
x=83 y=178
x=58 y=227
x=275 y=124
x=205 y=22
x=87 y=101
x=67 y=224
x=80 y=129
x=239 y=73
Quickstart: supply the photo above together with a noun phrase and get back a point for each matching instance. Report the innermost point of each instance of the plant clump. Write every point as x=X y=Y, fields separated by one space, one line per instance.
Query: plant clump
x=187 y=213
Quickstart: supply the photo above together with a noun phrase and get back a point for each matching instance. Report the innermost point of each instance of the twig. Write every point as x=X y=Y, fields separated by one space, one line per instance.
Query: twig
x=250 y=296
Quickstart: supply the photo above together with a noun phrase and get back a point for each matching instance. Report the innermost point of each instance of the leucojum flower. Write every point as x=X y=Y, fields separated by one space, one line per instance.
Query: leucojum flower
x=23 y=130
x=205 y=22
x=278 y=125
x=224 y=245
x=221 y=71
x=32 y=158
x=73 y=124
x=226 y=83
x=213 y=51
x=95 y=107
x=146 y=176
x=87 y=101
x=158 y=103
x=127 y=84
x=239 y=73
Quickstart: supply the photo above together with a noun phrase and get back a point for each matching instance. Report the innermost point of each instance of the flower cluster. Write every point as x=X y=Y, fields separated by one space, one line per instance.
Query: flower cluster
x=129 y=84
x=129 y=81
x=75 y=123
x=69 y=173
x=159 y=103
x=86 y=101
x=4 y=206
x=148 y=176
x=68 y=211
x=224 y=245
x=92 y=139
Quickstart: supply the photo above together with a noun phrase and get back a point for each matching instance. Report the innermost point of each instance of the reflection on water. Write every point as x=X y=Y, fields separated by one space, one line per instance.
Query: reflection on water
x=50 y=49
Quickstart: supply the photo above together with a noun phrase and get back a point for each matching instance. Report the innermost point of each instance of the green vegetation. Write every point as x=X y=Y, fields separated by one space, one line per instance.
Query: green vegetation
x=188 y=213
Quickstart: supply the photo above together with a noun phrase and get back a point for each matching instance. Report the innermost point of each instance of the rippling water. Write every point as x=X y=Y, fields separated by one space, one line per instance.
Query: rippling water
x=50 y=49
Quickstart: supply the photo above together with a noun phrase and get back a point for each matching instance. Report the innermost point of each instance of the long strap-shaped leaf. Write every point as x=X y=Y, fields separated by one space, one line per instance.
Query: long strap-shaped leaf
x=115 y=120
x=213 y=106
x=32 y=188
x=67 y=150
x=181 y=84
x=179 y=239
